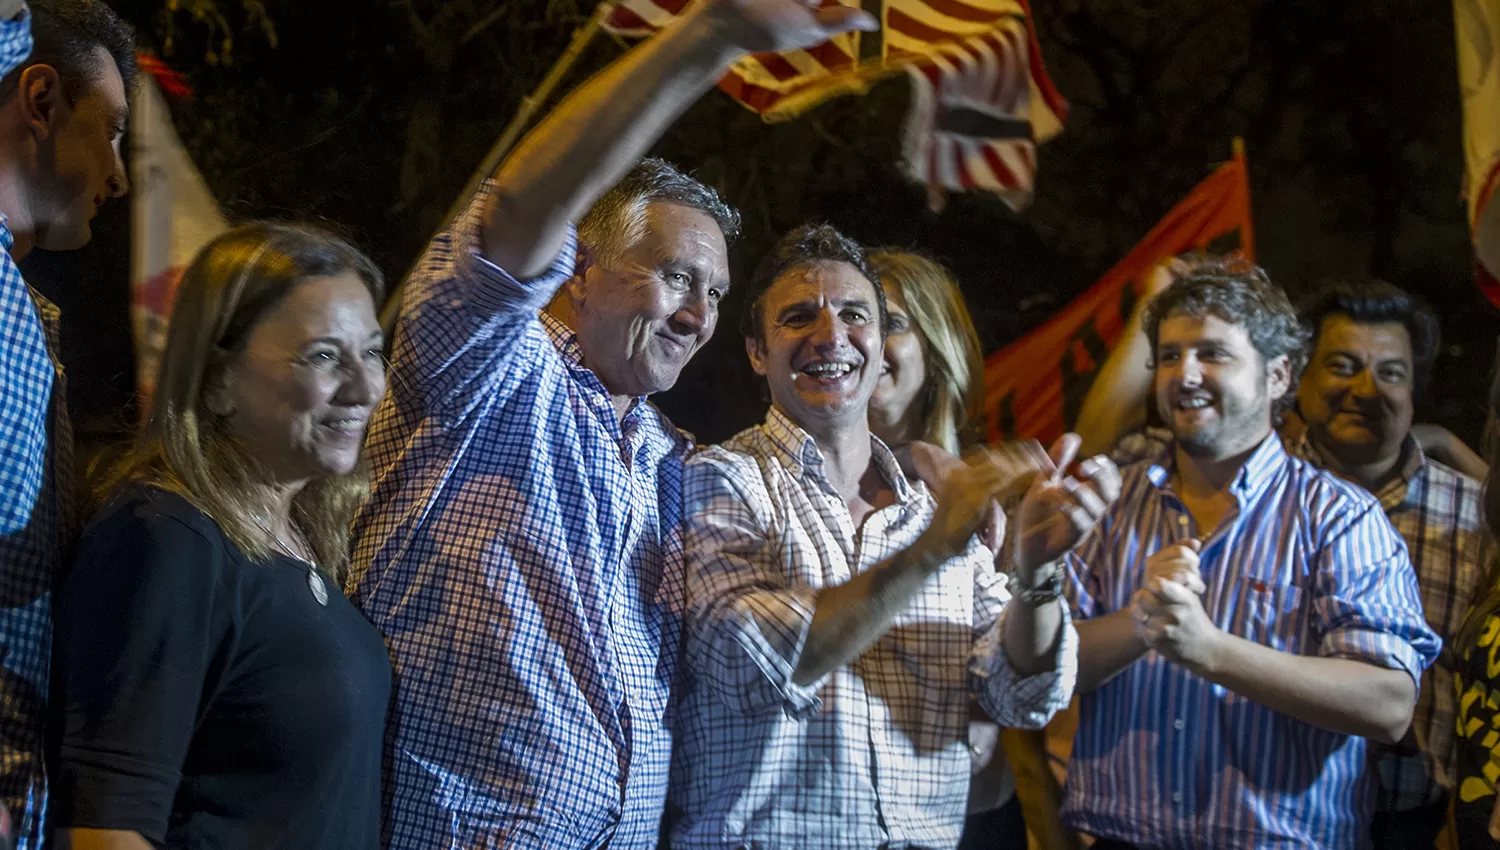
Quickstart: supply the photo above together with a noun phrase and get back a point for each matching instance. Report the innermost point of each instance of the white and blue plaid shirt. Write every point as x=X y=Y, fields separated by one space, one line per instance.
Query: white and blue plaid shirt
x=521 y=553
x=36 y=470
x=875 y=753
x=1306 y=564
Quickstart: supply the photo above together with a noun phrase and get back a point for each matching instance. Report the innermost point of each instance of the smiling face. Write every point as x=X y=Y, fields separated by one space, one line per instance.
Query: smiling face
x=78 y=158
x=640 y=322
x=1211 y=386
x=1356 y=394
x=821 y=352
x=897 y=401
x=300 y=390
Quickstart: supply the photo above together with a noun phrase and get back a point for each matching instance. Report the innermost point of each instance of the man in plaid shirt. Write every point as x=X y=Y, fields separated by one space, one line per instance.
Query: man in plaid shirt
x=66 y=70
x=839 y=617
x=1373 y=354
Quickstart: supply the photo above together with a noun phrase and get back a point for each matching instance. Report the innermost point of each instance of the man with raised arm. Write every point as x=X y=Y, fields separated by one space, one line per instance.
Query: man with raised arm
x=521 y=552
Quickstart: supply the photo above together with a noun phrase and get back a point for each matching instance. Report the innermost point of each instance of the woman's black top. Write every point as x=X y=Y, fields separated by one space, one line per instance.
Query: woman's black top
x=208 y=700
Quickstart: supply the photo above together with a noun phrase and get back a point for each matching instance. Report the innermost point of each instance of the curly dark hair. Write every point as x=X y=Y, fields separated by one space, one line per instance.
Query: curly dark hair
x=66 y=35
x=810 y=243
x=1369 y=301
x=1239 y=292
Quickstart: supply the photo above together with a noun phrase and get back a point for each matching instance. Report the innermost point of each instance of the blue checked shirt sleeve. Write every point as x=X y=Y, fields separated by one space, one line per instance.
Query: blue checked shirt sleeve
x=15 y=41
x=1368 y=607
x=25 y=385
x=463 y=318
x=745 y=627
x=1012 y=700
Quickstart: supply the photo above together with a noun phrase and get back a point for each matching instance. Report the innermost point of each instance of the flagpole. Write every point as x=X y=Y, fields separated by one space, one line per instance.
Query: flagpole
x=1247 y=235
x=507 y=140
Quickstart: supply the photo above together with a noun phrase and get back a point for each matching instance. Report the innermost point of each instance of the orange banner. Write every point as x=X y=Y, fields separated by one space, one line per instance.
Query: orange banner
x=1035 y=386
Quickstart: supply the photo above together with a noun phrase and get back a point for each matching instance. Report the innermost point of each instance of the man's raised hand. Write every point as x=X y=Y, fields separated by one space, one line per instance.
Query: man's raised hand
x=771 y=25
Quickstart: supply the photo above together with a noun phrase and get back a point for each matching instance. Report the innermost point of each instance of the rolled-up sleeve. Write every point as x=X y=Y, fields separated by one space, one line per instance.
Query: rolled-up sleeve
x=463 y=318
x=746 y=627
x=1368 y=605
x=1013 y=700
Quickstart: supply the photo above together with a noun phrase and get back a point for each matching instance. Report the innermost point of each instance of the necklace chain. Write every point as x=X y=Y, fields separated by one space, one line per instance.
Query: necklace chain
x=267 y=528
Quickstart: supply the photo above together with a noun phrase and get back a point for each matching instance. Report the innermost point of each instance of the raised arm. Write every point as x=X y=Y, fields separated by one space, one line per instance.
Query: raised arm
x=1444 y=446
x=599 y=131
x=1116 y=401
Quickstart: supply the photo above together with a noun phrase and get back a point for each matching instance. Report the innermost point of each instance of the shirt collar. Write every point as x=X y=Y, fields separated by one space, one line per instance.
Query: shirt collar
x=7 y=239
x=1395 y=491
x=1253 y=476
x=800 y=452
x=566 y=342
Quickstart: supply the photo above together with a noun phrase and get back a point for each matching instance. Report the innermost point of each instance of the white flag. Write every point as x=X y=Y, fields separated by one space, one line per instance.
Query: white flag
x=172 y=216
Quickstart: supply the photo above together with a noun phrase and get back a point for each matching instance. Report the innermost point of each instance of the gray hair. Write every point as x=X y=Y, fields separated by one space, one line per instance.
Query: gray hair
x=618 y=219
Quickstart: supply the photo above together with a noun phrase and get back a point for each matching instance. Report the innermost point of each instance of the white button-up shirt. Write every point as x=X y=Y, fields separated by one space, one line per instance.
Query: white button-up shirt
x=875 y=753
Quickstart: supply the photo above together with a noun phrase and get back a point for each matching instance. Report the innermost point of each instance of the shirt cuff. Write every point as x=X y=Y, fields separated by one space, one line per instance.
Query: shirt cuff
x=1023 y=702
x=1372 y=647
x=495 y=289
x=784 y=620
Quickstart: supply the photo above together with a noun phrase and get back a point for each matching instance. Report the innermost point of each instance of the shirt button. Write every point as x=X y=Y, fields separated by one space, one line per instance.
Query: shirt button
x=1182 y=520
x=1178 y=724
x=1177 y=796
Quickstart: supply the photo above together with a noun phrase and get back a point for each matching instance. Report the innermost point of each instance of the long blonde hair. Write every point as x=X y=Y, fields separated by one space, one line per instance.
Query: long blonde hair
x=953 y=396
x=234 y=282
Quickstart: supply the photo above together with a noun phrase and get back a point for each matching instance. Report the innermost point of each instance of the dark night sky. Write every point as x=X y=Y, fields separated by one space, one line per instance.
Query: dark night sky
x=1349 y=109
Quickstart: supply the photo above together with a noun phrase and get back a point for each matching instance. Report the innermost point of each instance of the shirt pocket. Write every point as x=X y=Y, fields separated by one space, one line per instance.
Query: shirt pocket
x=1273 y=614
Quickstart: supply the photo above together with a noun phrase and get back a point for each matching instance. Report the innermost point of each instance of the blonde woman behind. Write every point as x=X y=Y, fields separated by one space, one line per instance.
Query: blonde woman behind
x=931 y=388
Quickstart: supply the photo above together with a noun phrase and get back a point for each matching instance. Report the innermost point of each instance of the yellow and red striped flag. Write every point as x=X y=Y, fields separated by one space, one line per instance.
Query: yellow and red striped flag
x=982 y=98
x=1477 y=25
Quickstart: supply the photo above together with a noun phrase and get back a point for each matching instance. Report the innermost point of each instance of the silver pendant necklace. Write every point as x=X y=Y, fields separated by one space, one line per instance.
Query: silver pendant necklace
x=315 y=581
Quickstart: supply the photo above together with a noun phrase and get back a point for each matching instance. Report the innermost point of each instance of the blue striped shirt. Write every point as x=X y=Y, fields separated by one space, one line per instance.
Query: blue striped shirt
x=521 y=554
x=1306 y=564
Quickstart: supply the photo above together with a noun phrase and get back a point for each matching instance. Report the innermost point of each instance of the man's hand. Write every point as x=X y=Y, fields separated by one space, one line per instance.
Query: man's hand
x=969 y=492
x=1170 y=619
x=1060 y=509
x=757 y=26
x=1179 y=563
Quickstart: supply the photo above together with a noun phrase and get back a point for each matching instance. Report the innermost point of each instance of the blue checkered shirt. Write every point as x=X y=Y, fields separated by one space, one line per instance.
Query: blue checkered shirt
x=875 y=753
x=36 y=522
x=522 y=555
x=1305 y=564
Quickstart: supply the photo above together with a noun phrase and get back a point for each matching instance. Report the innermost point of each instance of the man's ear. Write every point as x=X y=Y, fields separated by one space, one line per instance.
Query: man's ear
x=752 y=348
x=1278 y=377
x=40 y=93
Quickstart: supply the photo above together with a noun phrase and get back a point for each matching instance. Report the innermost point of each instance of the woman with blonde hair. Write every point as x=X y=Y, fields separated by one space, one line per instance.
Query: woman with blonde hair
x=930 y=391
x=217 y=688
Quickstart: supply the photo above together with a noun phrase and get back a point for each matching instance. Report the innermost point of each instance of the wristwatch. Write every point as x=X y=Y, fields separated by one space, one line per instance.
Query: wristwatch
x=1044 y=588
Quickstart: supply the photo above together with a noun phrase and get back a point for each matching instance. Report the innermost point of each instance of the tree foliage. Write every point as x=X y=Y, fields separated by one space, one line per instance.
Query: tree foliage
x=373 y=113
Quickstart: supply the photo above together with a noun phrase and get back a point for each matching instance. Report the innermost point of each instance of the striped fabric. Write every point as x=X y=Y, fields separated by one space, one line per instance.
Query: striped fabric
x=521 y=554
x=1307 y=565
x=1439 y=513
x=982 y=97
x=874 y=754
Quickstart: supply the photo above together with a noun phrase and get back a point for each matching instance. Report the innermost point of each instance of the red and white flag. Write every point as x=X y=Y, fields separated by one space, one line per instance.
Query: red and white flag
x=1477 y=25
x=982 y=99
x=172 y=216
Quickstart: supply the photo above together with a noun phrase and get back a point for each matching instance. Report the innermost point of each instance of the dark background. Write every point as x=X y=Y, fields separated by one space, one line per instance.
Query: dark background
x=373 y=113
